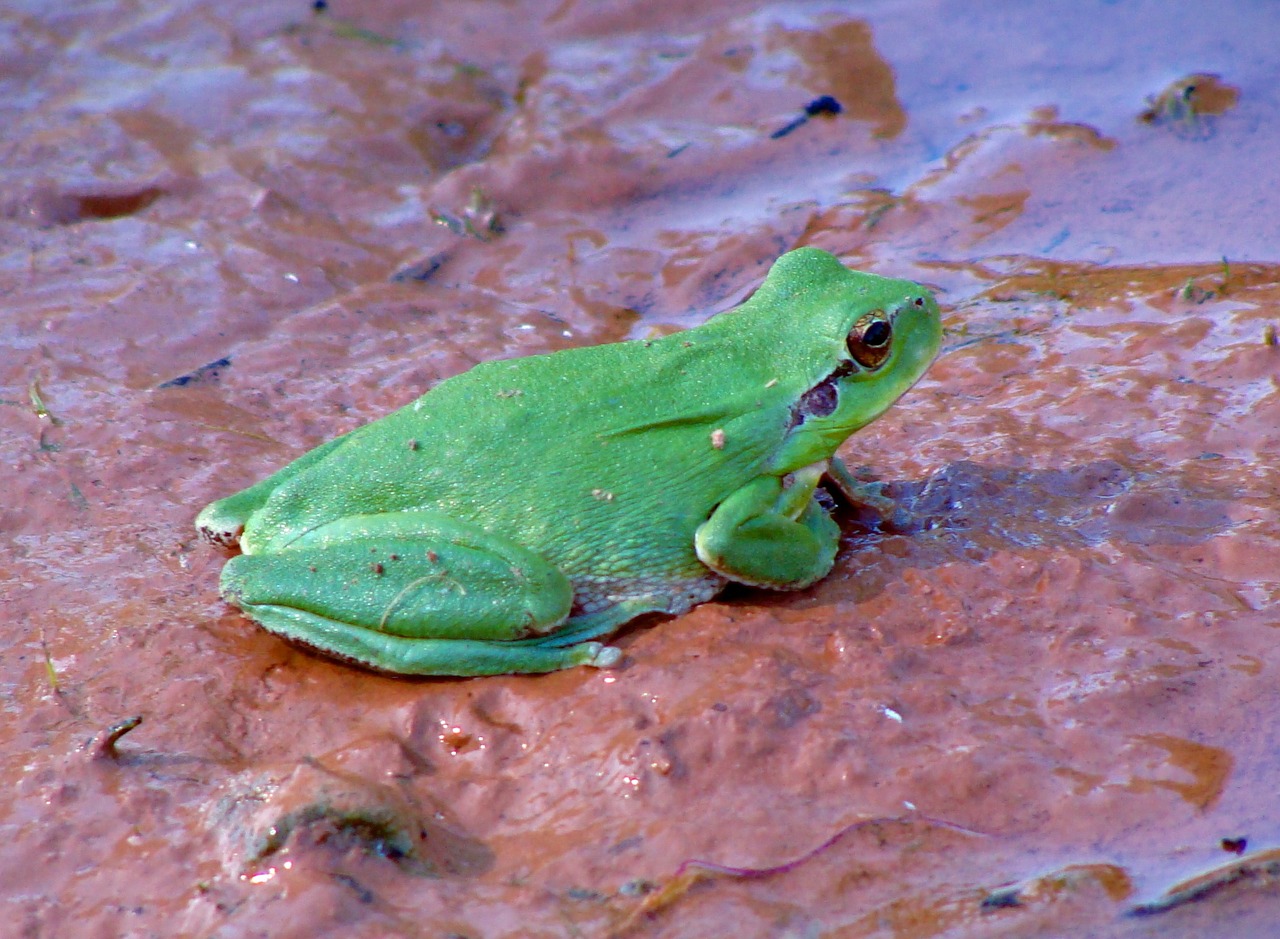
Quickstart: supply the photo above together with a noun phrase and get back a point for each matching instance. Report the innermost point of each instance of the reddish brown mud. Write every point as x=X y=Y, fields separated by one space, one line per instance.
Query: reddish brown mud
x=1047 y=706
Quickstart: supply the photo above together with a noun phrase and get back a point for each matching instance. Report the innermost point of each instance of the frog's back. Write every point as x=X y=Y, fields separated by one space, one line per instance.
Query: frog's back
x=604 y=459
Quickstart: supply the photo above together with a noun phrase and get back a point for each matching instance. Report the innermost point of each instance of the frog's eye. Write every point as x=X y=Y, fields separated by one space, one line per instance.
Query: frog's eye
x=870 y=339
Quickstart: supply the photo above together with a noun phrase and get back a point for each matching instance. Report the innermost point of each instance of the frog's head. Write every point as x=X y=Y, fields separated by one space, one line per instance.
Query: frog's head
x=867 y=339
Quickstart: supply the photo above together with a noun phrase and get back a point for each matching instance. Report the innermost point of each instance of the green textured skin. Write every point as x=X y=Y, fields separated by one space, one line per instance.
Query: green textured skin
x=603 y=462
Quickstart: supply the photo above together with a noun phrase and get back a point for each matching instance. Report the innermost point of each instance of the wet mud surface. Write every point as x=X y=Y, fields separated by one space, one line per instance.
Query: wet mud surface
x=1042 y=703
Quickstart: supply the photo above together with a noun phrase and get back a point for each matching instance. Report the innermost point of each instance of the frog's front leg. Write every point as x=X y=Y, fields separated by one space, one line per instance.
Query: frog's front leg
x=771 y=533
x=414 y=592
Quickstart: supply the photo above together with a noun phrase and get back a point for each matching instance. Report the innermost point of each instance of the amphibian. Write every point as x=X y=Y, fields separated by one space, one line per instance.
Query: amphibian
x=515 y=514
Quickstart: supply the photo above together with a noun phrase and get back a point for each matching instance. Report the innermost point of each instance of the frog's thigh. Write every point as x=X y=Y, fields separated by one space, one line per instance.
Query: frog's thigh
x=412 y=575
x=752 y=538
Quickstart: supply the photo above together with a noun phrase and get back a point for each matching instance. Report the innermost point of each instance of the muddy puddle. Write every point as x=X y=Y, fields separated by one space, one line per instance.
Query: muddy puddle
x=1044 y=705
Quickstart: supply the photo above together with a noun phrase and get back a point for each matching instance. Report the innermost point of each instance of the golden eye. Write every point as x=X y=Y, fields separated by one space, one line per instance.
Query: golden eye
x=870 y=339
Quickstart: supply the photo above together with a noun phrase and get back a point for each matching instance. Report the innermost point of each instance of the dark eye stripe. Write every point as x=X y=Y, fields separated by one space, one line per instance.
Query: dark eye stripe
x=822 y=399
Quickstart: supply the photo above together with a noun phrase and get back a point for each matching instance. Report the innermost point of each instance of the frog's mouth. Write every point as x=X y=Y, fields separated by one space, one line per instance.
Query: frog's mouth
x=822 y=399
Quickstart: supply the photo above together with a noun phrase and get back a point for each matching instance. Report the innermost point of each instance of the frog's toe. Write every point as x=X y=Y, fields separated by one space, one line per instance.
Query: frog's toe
x=603 y=656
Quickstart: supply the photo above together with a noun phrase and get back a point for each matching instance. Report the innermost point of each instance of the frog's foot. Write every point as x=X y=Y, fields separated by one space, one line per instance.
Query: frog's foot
x=452 y=657
x=867 y=498
x=576 y=635
x=605 y=656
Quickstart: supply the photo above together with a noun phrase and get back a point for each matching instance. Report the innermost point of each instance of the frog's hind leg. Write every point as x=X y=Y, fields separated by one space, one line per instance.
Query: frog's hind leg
x=413 y=592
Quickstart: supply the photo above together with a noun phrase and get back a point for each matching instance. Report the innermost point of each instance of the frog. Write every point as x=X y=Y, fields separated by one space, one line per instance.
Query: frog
x=516 y=515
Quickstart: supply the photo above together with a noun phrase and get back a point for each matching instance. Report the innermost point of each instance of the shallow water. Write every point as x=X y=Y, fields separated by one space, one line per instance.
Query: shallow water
x=1044 y=707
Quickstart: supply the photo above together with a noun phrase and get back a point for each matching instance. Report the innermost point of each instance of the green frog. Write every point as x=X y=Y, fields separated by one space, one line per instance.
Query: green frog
x=517 y=514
